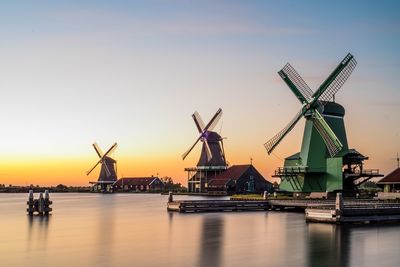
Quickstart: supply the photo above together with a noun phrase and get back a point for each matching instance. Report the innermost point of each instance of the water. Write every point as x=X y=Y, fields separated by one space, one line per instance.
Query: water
x=136 y=230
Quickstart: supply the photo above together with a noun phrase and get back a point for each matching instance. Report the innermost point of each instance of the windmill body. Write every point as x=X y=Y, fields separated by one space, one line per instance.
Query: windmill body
x=212 y=158
x=217 y=154
x=325 y=162
x=103 y=176
x=108 y=173
x=317 y=170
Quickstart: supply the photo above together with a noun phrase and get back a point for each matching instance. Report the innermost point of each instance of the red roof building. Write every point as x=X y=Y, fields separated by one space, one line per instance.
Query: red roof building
x=239 y=179
x=391 y=182
x=141 y=184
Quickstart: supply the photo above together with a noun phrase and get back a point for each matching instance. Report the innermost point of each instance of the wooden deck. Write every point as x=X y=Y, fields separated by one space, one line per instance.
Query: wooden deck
x=326 y=211
x=217 y=205
x=355 y=213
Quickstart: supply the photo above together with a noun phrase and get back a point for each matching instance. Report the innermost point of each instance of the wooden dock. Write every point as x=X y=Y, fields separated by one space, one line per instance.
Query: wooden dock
x=217 y=205
x=360 y=213
x=325 y=211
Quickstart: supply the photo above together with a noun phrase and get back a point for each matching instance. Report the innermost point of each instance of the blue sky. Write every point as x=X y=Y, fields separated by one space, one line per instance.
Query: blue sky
x=74 y=72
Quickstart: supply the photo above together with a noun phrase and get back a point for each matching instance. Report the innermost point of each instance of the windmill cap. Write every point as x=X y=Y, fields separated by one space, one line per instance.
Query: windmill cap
x=213 y=136
x=333 y=108
x=109 y=160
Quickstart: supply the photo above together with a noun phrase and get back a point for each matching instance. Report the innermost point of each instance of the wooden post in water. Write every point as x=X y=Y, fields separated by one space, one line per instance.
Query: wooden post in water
x=338 y=205
x=47 y=202
x=31 y=203
x=170 y=197
x=40 y=205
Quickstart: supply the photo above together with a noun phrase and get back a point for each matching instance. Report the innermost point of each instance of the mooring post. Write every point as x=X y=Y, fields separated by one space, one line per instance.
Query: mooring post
x=30 y=197
x=339 y=203
x=41 y=203
x=170 y=197
x=265 y=196
x=47 y=202
x=31 y=203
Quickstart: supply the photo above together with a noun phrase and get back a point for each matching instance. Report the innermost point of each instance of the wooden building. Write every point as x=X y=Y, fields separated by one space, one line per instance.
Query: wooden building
x=391 y=182
x=139 y=184
x=239 y=179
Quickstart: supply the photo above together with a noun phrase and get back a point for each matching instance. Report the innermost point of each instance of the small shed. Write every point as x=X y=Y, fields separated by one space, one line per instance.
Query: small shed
x=240 y=179
x=139 y=184
x=391 y=182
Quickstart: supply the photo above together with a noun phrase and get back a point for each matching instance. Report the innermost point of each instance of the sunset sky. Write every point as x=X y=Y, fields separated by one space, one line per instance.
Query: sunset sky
x=133 y=72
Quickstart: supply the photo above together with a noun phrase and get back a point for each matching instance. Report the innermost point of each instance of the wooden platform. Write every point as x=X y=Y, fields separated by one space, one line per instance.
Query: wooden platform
x=217 y=205
x=355 y=213
x=326 y=211
x=299 y=203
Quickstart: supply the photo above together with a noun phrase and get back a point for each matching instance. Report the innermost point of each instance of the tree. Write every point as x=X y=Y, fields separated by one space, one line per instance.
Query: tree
x=167 y=180
x=170 y=185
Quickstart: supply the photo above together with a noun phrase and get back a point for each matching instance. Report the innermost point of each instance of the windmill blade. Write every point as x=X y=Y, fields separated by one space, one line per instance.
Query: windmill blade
x=97 y=149
x=184 y=155
x=94 y=167
x=331 y=141
x=274 y=141
x=208 y=150
x=198 y=121
x=335 y=81
x=110 y=150
x=298 y=86
x=214 y=120
x=223 y=149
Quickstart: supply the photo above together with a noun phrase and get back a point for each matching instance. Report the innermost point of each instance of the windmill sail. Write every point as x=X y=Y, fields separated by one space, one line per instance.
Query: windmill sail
x=198 y=121
x=296 y=83
x=274 y=141
x=331 y=141
x=214 y=120
x=337 y=78
x=184 y=155
x=312 y=101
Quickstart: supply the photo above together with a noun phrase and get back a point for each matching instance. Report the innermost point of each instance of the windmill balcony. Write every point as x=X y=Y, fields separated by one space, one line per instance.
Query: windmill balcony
x=368 y=172
x=362 y=173
x=290 y=171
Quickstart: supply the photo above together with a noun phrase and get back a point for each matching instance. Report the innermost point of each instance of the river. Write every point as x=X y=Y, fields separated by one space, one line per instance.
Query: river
x=136 y=230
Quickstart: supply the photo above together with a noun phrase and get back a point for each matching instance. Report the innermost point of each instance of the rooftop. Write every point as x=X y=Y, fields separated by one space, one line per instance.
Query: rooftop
x=391 y=178
x=232 y=173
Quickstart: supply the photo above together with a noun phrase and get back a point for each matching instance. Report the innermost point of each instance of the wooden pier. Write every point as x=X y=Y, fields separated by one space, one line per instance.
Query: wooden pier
x=354 y=212
x=217 y=205
x=324 y=211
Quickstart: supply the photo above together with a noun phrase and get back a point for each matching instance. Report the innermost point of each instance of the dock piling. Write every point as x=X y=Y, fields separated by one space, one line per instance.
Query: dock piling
x=40 y=205
x=265 y=195
x=170 y=197
x=339 y=202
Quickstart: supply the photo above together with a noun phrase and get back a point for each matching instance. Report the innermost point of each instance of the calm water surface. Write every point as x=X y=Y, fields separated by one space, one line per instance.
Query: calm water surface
x=136 y=230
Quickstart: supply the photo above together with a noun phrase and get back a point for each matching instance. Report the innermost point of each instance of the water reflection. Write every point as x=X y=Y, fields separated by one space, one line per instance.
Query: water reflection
x=37 y=236
x=328 y=245
x=135 y=230
x=105 y=231
x=38 y=230
x=211 y=240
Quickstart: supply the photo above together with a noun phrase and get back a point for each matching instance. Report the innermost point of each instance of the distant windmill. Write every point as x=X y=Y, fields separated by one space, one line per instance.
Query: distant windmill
x=108 y=173
x=212 y=153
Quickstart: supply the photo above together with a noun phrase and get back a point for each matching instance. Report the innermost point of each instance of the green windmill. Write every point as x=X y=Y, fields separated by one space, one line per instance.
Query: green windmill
x=325 y=162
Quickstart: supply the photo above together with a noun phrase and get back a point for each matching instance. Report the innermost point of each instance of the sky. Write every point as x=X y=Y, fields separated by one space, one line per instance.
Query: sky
x=132 y=72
